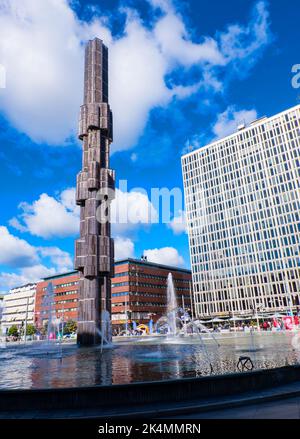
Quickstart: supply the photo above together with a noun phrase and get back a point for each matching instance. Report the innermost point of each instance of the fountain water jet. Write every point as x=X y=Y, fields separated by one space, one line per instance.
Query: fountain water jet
x=171 y=306
x=177 y=329
x=106 y=329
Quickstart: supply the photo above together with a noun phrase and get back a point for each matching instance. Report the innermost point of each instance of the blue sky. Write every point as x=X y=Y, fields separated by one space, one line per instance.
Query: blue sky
x=181 y=74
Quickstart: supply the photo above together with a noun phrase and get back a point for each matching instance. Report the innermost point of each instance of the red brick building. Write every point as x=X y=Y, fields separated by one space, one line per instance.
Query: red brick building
x=65 y=297
x=139 y=292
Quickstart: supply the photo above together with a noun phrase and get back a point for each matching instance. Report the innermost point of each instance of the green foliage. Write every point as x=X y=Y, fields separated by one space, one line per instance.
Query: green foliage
x=44 y=329
x=31 y=330
x=13 y=331
x=70 y=327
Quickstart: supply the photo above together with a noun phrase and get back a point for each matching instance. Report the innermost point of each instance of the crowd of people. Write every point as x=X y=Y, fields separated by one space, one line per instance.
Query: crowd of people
x=285 y=323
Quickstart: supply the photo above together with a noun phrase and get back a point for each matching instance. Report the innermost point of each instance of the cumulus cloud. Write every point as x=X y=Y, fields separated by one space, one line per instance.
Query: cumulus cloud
x=176 y=45
x=44 y=67
x=242 y=42
x=165 y=255
x=24 y=276
x=15 y=252
x=130 y=209
x=58 y=258
x=49 y=217
x=124 y=248
x=228 y=121
x=31 y=263
x=191 y=145
x=178 y=223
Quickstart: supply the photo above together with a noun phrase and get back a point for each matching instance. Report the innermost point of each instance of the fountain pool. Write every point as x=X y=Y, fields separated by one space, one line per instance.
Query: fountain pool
x=139 y=359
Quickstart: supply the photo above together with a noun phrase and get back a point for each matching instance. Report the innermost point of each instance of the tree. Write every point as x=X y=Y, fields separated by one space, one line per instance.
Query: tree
x=13 y=331
x=70 y=326
x=31 y=330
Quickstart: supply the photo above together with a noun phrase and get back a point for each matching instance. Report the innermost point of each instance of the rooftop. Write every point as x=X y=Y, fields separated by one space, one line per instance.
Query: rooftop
x=151 y=264
x=126 y=261
x=242 y=128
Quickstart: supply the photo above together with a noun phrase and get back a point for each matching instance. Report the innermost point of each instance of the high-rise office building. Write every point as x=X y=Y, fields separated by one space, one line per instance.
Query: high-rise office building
x=242 y=196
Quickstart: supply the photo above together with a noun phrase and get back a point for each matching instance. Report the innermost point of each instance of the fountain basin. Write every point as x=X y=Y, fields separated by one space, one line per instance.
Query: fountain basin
x=133 y=397
x=160 y=358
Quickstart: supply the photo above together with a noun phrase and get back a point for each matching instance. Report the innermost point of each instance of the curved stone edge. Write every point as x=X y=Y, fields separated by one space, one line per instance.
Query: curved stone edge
x=147 y=392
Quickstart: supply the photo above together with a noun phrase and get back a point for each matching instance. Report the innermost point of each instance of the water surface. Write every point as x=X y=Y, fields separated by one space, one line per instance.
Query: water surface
x=37 y=365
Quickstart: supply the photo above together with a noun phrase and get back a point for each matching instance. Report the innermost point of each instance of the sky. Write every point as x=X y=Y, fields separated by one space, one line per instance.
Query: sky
x=182 y=74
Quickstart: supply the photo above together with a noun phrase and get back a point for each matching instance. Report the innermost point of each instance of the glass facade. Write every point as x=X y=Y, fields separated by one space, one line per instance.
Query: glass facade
x=242 y=196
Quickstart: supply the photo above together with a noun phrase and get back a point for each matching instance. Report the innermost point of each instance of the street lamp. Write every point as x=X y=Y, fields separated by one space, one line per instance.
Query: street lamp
x=134 y=271
x=255 y=308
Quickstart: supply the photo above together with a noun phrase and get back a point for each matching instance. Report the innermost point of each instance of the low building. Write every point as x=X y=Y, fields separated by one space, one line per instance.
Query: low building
x=139 y=290
x=18 y=303
x=65 y=289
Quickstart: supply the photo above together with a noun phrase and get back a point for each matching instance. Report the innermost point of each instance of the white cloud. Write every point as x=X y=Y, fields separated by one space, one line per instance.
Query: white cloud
x=176 y=45
x=15 y=252
x=133 y=157
x=178 y=223
x=191 y=144
x=59 y=258
x=228 y=121
x=129 y=209
x=45 y=68
x=137 y=85
x=243 y=41
x=124 y=248
x=49 y=217
x=31 y=263
x=165 y=255
x=24 y=276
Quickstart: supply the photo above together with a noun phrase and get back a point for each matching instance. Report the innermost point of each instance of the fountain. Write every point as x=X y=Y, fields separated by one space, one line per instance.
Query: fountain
x=171 y=306
x=106 y=330
x=50 y=345
x=48 y=301
x=171 y=323
x=178 y=327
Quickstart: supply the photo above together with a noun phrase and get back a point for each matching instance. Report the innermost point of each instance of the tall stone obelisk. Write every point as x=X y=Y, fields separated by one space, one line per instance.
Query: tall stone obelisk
x=94 y=250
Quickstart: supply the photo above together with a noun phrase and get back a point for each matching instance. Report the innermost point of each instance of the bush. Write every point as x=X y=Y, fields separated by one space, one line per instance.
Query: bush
x=31 y=330
x=70 y=327
x=13 y=331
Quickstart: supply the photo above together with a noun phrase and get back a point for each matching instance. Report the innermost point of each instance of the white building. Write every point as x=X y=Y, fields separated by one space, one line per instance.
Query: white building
x=16 y=304
x=242 y=196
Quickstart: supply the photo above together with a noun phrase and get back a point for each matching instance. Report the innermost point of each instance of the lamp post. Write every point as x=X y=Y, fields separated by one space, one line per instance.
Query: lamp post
x=232 y=317
x=291 y=310
x=134 y=271
x=257 y=319
x=26 y=318
x=126 y=315
x=62 y=320
x=255 y=309
x=191 y=299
